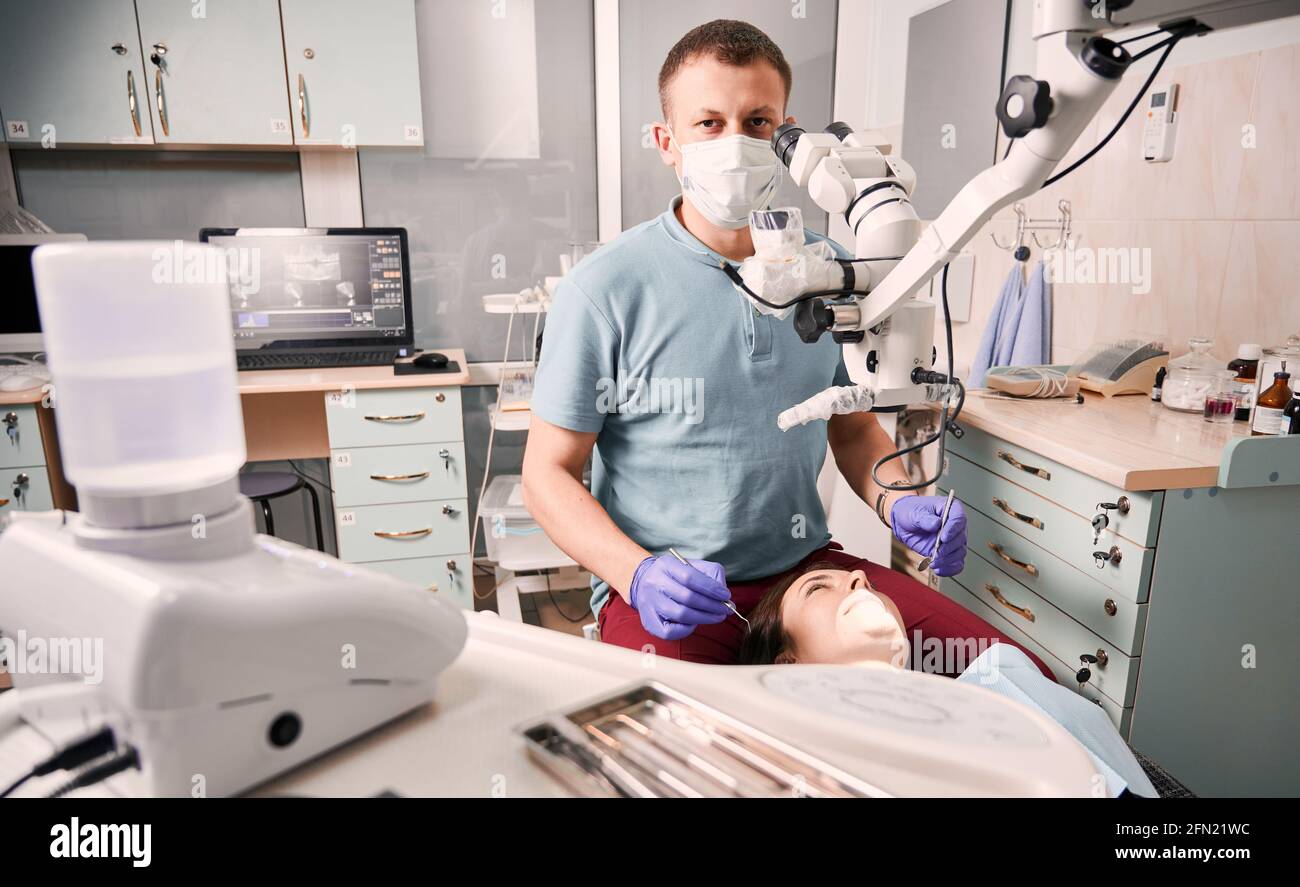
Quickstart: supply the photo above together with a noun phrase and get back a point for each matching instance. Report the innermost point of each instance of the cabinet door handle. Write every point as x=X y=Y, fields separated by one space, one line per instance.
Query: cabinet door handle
x=997 y=594
x=1030 y=469
x=3 y=502
x=403 y=534
x=1032 y=521
x=1028 y=568
x=417 y=476
x=302 y=106
x=131 y=103
x=410 y=417
x=161 y=100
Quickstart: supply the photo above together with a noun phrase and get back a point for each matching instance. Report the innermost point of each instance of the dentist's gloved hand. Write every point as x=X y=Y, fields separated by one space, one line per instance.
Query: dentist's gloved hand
x=916 y=523
x=673 y=597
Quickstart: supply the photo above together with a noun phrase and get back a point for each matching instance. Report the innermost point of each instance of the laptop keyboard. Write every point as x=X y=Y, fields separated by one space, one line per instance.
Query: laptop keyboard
x=291 y=360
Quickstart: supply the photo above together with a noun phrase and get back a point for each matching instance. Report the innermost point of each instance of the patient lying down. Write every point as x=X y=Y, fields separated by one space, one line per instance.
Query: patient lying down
x=829 y=615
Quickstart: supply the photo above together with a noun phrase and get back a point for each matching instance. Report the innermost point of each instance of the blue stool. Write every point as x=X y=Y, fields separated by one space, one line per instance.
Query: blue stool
x=263 y=486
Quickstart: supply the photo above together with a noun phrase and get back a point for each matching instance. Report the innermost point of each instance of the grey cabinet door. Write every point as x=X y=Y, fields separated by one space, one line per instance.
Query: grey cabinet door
x=354 y=74
x=71 y=72
x=219 y=78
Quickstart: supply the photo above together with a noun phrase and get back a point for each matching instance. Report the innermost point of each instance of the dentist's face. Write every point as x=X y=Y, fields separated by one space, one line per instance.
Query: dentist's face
x=836 y=617
x=709 y=100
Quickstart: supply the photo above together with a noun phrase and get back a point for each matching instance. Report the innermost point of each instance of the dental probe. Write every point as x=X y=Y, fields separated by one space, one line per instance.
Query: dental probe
x=728 y=604
x=938 y=538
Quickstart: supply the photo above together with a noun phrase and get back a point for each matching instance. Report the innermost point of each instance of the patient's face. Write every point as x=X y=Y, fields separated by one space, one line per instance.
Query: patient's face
x=836 y=617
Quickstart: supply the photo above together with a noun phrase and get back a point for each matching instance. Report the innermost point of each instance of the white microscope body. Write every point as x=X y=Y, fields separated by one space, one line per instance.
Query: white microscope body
x=227 y=657
x=888 y=336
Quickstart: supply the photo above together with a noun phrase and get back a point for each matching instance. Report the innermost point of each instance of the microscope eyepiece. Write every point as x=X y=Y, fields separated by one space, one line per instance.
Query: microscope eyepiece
x=840 y=130
x=784 y=140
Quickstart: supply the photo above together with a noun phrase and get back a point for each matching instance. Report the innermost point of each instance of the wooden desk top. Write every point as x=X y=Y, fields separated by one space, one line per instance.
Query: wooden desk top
x=1128 y=441
x=335 y=378
x=327 y=379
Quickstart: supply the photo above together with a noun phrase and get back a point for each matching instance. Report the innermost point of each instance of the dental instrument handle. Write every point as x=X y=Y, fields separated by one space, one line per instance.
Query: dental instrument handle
x=938 y=538
x=728 y=604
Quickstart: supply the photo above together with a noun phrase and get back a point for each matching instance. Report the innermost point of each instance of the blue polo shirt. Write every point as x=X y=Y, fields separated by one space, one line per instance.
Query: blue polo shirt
x=649 y=345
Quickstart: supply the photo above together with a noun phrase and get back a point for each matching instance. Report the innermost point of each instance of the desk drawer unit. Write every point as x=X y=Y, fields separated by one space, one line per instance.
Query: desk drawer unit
x=393 y=416
x=25 y=489
x=1052 y=526
x=1120 y=716
x=410 y=473
x=447 y=576
x=1033 y=571
x=20 y=440
x=397 y=467
x=1116 y=617
x=1115 y=672
x=1136 y=518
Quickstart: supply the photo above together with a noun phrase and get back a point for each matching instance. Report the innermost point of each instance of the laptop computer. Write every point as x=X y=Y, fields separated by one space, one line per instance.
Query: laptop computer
x=317 y=297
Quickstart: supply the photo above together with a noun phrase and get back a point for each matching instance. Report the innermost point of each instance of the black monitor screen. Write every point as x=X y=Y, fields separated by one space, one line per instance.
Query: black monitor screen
x=343 y=287
x=18 y=314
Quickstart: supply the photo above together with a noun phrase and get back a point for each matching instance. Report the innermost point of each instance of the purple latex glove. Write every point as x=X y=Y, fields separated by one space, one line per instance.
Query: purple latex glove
x=916 y=524
x=673 y=597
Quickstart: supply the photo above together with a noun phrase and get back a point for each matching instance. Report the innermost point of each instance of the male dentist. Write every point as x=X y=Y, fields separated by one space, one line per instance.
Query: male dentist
x=653 y=359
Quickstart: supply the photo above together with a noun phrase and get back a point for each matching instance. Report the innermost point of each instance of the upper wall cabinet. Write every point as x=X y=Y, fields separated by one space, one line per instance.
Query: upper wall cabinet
x=354 y=76
x=216 y=78
x=172 y=72
x=71 y=73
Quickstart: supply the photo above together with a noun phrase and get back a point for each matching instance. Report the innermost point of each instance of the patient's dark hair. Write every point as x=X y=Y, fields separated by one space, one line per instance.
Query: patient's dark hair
x=766 y=642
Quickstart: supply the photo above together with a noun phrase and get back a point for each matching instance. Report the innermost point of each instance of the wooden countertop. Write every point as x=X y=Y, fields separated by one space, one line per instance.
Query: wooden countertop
x=1128 y=441
x=325 y=379
x=335 y=378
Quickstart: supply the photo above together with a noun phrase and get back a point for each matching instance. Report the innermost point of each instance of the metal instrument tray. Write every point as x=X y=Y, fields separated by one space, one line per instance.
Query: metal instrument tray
x=650 y=741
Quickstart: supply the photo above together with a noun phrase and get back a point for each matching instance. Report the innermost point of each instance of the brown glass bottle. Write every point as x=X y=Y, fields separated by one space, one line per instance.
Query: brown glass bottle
x=1272 y=401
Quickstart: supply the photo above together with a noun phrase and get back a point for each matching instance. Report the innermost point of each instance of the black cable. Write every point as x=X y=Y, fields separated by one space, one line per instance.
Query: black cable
x=1142 y=36
x=1168 y=47
x=96 y=745
x=97 y=773
x=556 y=604
x=946 y=421
x=307 y=477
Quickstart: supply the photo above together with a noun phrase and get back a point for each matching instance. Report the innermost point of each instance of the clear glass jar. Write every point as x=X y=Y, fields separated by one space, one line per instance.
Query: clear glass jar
x=1191 y=377
x=1222 y=398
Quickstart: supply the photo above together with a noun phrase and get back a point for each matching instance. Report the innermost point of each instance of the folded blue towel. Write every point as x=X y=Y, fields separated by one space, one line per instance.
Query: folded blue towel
x=1019 y=332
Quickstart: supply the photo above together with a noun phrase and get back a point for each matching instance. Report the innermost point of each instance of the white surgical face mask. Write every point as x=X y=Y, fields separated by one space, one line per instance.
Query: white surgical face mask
x=728 y=178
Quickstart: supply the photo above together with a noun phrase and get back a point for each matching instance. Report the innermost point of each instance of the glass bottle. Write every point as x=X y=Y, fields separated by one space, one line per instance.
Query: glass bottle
x=1272 y=401
x=1291 y=415
x=1245 y=368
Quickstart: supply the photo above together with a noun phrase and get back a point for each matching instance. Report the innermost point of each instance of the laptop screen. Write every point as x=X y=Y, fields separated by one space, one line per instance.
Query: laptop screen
x=317 y=288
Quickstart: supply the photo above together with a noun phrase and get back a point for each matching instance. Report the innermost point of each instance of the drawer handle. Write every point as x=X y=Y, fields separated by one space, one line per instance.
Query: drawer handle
x=1032 y=521
x=420 y=476
x=1028 y=568
x=161 y=101
x=3 y=502
x=997 y=594
x=302 y=107
x=412 y=417
x=403 y=534
x=130 y=100
x=1029 y=469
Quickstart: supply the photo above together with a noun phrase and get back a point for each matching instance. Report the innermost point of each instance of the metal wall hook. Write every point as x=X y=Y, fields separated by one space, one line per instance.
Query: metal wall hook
x=1061 y=224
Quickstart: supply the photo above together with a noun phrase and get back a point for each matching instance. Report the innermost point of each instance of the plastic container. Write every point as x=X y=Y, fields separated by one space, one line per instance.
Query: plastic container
x=1191 y=377
x=513 y=538
x=143 y=360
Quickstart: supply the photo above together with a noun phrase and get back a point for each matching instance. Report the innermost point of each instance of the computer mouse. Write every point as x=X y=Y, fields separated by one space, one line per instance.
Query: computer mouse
x=431 y=360
x=19 y=383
